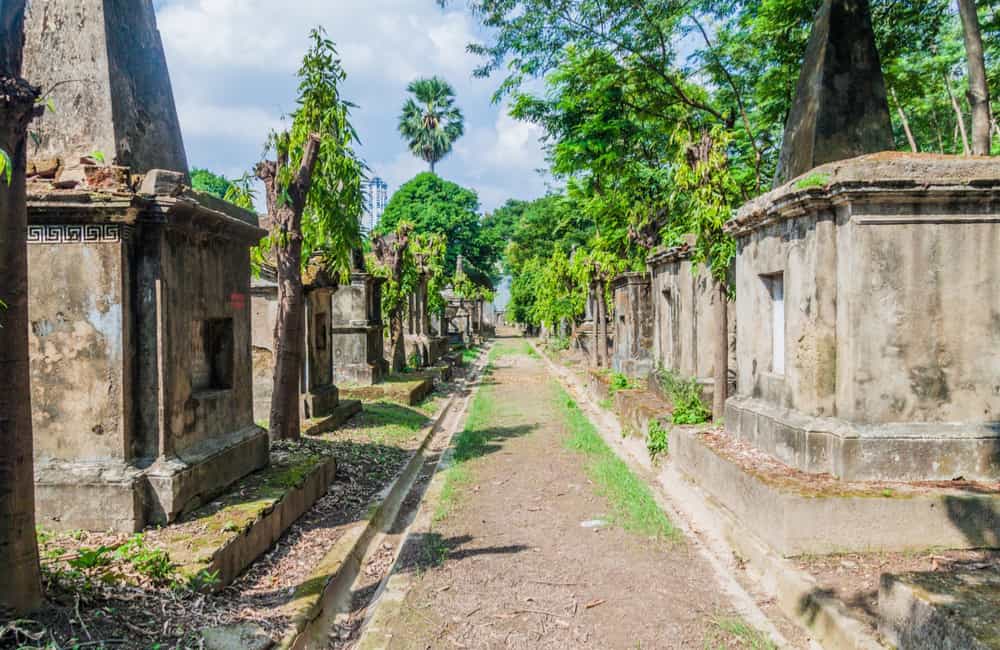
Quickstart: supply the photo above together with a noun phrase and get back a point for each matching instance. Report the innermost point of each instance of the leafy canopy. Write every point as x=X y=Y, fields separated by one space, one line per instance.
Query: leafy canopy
x=436 y=206
x=430 y=122
x=330 y=222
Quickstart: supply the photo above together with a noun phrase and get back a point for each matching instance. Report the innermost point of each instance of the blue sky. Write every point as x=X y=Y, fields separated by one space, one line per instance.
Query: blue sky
x=232 y=63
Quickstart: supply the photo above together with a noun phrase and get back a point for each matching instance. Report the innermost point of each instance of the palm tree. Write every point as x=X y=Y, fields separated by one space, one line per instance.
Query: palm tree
x=430 y=121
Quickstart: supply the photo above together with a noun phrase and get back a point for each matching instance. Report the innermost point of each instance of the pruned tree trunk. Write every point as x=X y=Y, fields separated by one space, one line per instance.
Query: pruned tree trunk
x=397 y=340
x=20 y=582
x=905 y=122
x=979 y=94
x=594 y=355
x=391 y=253
x=602 y=335
x=721 y=378
x=959 y=118
x=289 y=329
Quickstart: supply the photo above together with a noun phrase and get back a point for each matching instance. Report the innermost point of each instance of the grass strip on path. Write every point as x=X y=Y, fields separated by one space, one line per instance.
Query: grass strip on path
x=635 y=508
x=472 y=442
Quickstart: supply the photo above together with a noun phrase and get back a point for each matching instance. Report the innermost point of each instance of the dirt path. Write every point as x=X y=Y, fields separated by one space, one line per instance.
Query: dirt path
x=508 y=563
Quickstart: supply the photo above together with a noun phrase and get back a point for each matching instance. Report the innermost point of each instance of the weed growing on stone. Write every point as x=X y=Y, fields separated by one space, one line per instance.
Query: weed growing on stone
x=658 y=443
x=620 y=382
x=685 y=395
x=813 y=181
x=633 y=504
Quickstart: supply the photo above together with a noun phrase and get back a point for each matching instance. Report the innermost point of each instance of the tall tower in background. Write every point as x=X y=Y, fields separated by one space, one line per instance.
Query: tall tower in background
x=376 y=197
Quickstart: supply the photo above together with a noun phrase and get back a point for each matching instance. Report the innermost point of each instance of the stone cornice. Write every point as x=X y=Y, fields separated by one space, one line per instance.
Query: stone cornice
x=632 y=277
x=887 y=178
x=661 y=256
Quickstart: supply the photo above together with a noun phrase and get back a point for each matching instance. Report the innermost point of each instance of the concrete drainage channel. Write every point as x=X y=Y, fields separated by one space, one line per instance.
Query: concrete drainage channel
x=353 y=574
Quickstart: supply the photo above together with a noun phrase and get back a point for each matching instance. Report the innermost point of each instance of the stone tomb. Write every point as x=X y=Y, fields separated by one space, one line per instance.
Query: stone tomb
x=683 y=317
x=356 y=331
x=632 y=326
x=422 y=341
x=140 y=352
x=868 y=297
x=319 y=395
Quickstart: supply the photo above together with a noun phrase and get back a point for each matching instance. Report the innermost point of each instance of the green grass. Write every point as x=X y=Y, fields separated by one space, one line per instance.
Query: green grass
x=633 y=504
x=471 y=443
x=730 y=631
x=391 y=422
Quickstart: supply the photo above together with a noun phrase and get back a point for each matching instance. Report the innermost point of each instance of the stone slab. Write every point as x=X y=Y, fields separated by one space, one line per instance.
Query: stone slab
x=796 y=515
x=181 y=486
x=243 y=523
x=828 y=445
x=407 y=389
x=941 y=610
x=637 y=408
x=343 y=412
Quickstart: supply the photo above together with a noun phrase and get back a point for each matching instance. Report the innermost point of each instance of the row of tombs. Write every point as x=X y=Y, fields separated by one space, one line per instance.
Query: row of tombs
x=865 y=347
x=150 y=346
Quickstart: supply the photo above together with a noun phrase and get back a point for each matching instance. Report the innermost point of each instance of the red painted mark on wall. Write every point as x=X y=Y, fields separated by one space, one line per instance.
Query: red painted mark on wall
x=237 y=301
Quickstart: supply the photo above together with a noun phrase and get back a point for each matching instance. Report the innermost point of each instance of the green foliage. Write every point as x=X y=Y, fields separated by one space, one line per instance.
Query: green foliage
x=658 y=442
x=430 y=122
x=685 y=396
x=6 y=166
x=89 y=559
x=330 y=222
x=558 y=343
x=425 y=254
x=209 y=182
x=436 y=206
x=620 y=382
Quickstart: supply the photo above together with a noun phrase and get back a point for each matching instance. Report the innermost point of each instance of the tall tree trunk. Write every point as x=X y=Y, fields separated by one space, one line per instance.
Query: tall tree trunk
x=979 y=94
x=602 y=336
x=289 y=329
x=905 y=121
x=391 y=253
x=397 y=340
x=960 y=119
x=20 y=583
x=594 y=357
x=721 y=378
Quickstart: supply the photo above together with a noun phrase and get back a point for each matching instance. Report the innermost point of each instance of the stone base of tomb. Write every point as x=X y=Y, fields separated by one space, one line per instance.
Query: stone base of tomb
x=417 y=347
x=355 y=365
x=409 y=389
x=126 y=498
x=344 y=411
x=438 y=346
x=320 y=402
x=911 y=452
x=797 y=513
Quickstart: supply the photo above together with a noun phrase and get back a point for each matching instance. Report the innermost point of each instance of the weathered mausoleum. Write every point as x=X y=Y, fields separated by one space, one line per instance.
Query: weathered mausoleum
x=632 y=329
x=356 y=329
x=684 y=314
x=319 y=396
x=139 y=301
x=874 y=287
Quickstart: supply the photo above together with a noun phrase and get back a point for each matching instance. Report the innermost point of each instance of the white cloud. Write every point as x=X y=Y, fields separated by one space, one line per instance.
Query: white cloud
x=233 y=63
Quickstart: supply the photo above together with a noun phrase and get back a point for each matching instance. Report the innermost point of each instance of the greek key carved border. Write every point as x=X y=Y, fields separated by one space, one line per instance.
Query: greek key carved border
x=86 y=233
